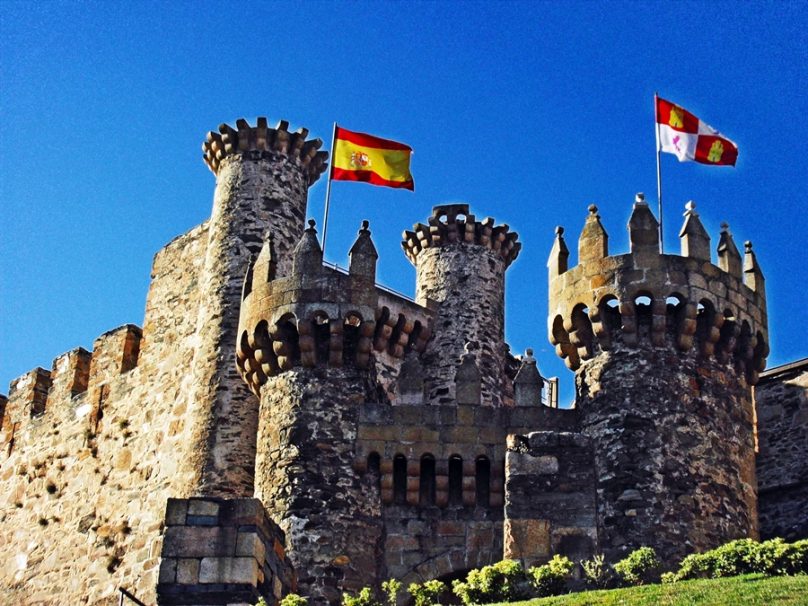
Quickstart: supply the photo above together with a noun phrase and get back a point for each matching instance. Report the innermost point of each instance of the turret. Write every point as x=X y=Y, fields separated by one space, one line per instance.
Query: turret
x=460 y=267
x=665 y=349
x=262 y=180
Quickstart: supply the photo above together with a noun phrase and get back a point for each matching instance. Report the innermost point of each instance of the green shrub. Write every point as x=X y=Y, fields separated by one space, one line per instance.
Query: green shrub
x=504 y=581
x=391 y=587
x=427 y=593
x=597 y=573
x=641 y=566
x=551 y=578
x=290 y=600
x=365 y=597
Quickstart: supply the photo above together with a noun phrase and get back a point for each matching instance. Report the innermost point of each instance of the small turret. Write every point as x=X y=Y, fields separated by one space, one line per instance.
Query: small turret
x=695 y=243
x=729 y=259
x=363 y=256
x=643 y=228
x=528 y=383
x=752 y=276
x=559 y=254
x=594 y=241
x=308 y=256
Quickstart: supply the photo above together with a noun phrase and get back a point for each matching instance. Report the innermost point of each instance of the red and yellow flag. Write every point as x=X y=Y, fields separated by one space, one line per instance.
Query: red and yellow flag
x=361 y=157
x=690 y=139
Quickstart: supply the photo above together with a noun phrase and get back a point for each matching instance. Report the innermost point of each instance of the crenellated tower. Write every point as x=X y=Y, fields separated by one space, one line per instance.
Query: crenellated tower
x=665 y=349
x=460 y=267
x=305 y=347
x=262 y=180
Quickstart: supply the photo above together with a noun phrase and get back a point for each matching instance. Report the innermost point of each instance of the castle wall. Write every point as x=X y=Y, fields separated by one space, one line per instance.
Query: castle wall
x=781 y=398
x=440 y=520
x=84 y=482
x=550 y=502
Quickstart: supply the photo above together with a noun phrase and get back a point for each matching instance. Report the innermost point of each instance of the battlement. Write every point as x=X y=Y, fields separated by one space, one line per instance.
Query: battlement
x=453 y=224
x=318 y=314
x=72 y=373
x=685 y=300
x=260 y=140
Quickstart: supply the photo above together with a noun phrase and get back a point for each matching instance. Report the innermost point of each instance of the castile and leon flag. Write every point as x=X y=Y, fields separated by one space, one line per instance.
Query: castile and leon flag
x=369 y=159
x=689 y=139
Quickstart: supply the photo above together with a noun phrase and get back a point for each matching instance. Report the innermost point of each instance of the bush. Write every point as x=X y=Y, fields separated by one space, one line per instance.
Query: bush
x=743 y=556
x=391 y=587
x=290 y=600
x=641 y=566
x=551 y=578
x=504 y=581
x=427 y=593
x=597 y=573
x=365 y=597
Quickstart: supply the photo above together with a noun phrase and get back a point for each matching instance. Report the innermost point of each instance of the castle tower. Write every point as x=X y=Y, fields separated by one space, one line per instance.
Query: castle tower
x=460 y=273
x=262 y=180
x=305 y=347
x=665 y=349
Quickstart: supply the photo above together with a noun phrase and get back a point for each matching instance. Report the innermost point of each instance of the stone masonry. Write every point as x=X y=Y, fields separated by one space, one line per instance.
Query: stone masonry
x=281 y=425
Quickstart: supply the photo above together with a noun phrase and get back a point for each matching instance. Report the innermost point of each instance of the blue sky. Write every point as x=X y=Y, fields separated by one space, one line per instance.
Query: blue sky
x=527 y=111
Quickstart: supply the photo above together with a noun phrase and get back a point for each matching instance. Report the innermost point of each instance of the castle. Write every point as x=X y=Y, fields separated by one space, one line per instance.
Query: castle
x=283 y=425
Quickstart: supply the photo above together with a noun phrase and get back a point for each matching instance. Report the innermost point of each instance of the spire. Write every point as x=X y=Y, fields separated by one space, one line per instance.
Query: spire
x=363 y=255
x=264 y=268
x=752 y=276
x=594 y=241
x=557 y=263
x=527 y=384
x=308 y=256
x=729 y=259
x=643 y=228
x=695 y=241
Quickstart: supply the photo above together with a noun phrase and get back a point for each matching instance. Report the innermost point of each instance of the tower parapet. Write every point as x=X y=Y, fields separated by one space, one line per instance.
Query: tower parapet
x=685 y=300
x=460 y=265
x=665 y=349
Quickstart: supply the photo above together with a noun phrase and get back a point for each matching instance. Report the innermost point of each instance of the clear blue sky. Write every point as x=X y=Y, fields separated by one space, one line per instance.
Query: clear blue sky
x=527 y=111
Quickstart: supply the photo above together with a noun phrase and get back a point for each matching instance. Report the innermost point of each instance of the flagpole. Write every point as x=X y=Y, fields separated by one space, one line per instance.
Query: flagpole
x=658 y=169
x=328 y=189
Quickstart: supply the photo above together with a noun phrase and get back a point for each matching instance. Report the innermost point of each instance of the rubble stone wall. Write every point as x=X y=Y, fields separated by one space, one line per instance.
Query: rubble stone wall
x=84 y=480
x=781 y=398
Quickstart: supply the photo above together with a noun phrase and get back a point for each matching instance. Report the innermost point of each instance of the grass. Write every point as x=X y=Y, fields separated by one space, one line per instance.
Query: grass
x=750 y=589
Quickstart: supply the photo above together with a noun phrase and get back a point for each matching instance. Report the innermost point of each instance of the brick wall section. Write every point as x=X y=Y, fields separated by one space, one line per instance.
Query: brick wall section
x=550 y=504
x=782 y=463
x=83 y=494
x=222 y=551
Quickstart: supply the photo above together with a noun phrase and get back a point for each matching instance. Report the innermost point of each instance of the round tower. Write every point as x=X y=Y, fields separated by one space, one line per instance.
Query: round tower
x=305 y=347
x=262 y=180
x=665 y=349
x=460 y=273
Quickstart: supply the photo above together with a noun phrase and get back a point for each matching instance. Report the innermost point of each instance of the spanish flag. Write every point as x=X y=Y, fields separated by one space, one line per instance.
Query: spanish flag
x=361 y=157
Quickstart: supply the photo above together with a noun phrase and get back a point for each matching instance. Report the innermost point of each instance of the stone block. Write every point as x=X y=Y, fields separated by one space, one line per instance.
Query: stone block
x=168 y=570
x=176 y=510
x=527 y=540
x=200 y=541
x=517 y=463
x=202 y=507
x=229 y=570
x=250 y=544
x=187 y=571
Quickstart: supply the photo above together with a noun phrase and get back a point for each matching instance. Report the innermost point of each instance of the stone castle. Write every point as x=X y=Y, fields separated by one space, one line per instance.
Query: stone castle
x=283 y=425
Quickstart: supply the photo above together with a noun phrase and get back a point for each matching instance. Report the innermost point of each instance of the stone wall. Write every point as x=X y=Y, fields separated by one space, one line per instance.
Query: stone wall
x=90 y=451
x=781 y=397
x=550 y=504
x=222 y=551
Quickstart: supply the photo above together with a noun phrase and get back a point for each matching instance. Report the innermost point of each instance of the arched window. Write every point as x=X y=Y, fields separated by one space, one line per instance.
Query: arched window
x=482 y=482
x=455 y=480
x=426 y=485
x=400 y=479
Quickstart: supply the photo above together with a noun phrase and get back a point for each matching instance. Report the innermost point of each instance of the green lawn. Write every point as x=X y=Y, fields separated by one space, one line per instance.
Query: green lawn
x=753 y=589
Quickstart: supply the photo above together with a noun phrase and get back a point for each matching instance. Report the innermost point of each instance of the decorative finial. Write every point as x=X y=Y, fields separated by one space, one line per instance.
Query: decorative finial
x=748 y=246
x=639 y=198
x=690 y=206
x=528 y=358
x=724 y=227
x=365 y=225
x=559 y=230
x=593 y=210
